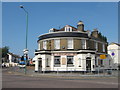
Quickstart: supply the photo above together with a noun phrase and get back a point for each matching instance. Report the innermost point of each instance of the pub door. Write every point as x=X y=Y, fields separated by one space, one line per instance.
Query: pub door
x=40 y=66
x=88 y=64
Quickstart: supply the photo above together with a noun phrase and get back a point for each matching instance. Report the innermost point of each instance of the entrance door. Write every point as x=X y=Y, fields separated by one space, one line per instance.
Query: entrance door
x=88 y=64
x=40 y=66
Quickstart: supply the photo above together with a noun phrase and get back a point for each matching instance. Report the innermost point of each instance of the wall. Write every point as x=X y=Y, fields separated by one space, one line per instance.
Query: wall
x=116 y=58
x=79 y=63
x=90 y=44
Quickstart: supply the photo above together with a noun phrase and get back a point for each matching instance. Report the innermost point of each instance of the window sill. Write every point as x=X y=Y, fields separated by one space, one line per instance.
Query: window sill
x=57 y=65
x=70 y=65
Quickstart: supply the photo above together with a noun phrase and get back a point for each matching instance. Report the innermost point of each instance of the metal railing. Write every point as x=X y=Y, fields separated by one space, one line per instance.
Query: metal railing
x=70 y=71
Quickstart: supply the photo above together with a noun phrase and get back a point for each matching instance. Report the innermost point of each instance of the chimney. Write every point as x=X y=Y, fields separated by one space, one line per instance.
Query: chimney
x=80 y=26
x=95 y=33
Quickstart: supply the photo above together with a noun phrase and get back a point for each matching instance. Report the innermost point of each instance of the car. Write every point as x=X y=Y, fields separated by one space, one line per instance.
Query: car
x=21 y=64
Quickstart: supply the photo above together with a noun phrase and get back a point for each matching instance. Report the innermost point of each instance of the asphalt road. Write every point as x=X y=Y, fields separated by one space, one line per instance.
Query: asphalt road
x=10 y=80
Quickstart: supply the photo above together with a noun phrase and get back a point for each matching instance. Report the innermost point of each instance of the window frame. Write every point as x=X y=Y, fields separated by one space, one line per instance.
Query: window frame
x=70 y=44
x=45 y=44
x=103 y=47
x=68 y=29
x=70 y=64
x=96 y=45
x=83 y=44
x=57 y=64
x=56 y=43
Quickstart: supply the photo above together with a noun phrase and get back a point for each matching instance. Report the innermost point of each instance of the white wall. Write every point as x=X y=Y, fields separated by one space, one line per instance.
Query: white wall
x=10 y=58
x=79 y=63
x=116 y=58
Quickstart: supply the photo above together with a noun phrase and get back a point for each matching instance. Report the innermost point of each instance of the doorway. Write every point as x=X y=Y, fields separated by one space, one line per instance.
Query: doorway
x=88 y=64
x=40 y=65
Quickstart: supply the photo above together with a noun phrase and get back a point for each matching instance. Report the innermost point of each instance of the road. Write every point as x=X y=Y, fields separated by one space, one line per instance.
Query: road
x=10 y=80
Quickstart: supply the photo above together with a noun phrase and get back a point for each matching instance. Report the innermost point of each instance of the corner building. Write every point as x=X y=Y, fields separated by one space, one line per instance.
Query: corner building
x=70 y=49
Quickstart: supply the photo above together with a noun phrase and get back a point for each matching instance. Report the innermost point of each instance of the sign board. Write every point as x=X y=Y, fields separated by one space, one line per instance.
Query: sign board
x=102 y=56
x=63 y=61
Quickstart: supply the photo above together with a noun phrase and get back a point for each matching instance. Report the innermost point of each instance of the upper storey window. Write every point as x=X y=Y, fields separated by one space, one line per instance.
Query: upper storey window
x=39 y=46
x=103 y=47
x=51 y=30
x=83 y=44
x=96 y=46
x=45 y=44
x=68 y=29
x=57 y=43
x=70 y=44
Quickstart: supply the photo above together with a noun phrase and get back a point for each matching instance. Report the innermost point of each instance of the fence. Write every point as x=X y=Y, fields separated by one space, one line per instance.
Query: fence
x=69 y=72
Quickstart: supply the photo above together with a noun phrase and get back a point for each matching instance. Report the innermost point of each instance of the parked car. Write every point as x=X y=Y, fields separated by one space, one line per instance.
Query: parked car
x=3 y=65
x=21 y=64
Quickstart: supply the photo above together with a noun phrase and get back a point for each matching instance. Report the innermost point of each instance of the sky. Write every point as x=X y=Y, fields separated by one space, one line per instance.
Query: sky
x=46 y=15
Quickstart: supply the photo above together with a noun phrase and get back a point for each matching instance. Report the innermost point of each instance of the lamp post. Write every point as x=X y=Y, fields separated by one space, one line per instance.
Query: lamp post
x=25 y=50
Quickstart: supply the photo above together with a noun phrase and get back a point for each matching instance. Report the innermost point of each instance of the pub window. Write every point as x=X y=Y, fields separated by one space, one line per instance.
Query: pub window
x=45 y=44
x=83 y=44
x=96 y=61
x=70 y=44
x=103 y=47
x=56 y=61
x=79 y=62
x=68 y=29
x=109 y=62
x=96 y=46
x=101 y=62
x=47 y=62
x=39 y=46
x=69 y=60
x=57 y=44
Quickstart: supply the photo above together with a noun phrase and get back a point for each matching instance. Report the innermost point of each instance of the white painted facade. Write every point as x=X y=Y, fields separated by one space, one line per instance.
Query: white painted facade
x=79 y=62
x=11 y=59
x=115 y=58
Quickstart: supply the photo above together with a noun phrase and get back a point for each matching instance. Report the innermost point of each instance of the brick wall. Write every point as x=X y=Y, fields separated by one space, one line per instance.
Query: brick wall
x=63 y=43
x=77 y=45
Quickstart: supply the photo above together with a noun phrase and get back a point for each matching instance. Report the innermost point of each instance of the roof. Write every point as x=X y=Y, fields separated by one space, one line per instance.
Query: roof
x=115 y=43
x=63 y=29
x=17 y=56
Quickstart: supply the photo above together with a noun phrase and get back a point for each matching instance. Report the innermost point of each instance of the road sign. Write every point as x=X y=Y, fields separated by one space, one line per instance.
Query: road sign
x=102 y=56
x=113 y=54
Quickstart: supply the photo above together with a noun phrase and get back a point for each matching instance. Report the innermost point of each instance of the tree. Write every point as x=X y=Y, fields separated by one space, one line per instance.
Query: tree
x=5 y=50
x=100 y=35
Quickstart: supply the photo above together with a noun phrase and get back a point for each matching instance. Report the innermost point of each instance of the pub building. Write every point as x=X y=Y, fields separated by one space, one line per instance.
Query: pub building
x=71 y=49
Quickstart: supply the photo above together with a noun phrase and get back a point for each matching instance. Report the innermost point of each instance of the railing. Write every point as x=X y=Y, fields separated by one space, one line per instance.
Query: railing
x=70 y=71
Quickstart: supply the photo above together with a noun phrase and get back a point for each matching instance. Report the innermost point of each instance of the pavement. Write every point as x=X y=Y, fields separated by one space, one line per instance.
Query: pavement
x=20 y=80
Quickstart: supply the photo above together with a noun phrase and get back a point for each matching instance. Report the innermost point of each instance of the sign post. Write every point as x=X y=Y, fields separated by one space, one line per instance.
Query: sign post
x=25 y=58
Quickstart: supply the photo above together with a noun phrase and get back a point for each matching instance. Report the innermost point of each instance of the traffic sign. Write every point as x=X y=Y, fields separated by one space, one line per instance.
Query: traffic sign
x=113 y=54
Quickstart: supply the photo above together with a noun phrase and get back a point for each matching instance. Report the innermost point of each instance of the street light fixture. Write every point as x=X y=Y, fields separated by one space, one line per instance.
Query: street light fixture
x=25 y=50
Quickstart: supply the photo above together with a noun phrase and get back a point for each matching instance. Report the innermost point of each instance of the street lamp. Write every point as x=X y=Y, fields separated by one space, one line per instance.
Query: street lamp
x=25 y=50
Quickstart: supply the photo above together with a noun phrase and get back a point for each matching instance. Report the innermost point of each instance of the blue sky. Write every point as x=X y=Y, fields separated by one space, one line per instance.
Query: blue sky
x=43 y=16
